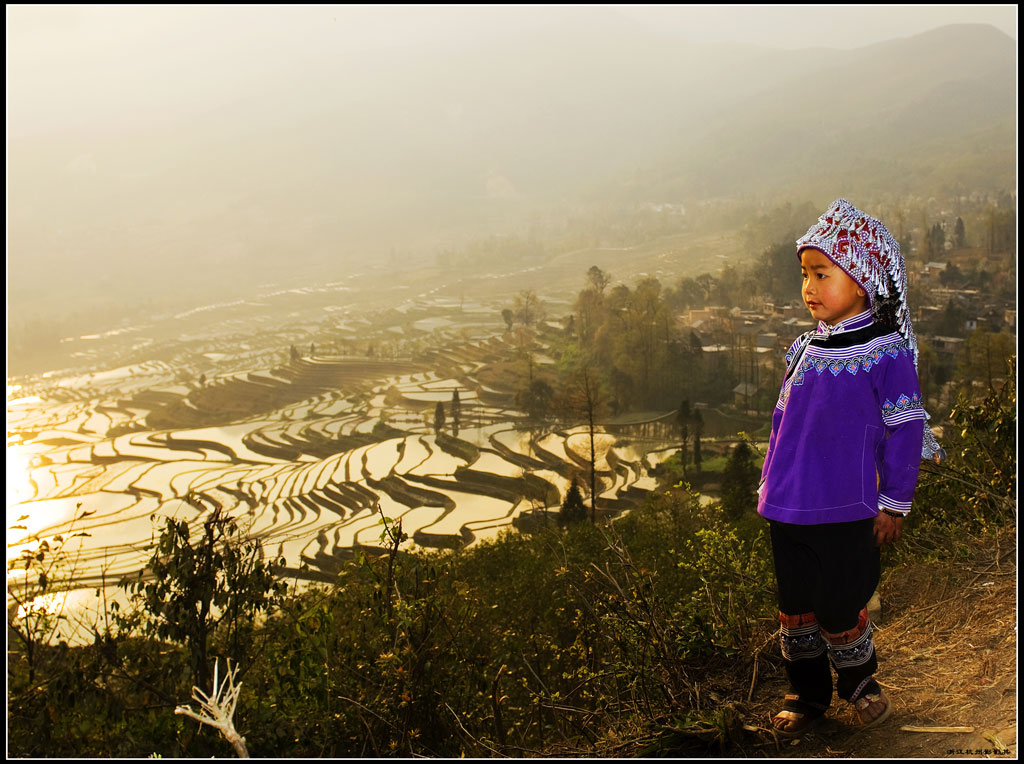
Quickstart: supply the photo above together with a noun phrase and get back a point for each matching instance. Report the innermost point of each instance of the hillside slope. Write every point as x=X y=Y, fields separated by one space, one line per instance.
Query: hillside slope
x=947 y=643
x=897 y=117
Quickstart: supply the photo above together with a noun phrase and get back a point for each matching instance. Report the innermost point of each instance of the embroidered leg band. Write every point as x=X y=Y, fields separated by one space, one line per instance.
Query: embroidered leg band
x=805 y=653
x=852 y=652
x=801 y=637
x=853 y=647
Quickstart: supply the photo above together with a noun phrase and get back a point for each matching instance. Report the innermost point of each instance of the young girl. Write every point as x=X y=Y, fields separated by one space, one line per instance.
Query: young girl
x=848 y=434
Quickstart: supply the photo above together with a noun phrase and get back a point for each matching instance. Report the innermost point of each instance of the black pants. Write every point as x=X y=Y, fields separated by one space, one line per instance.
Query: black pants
x=826 y=575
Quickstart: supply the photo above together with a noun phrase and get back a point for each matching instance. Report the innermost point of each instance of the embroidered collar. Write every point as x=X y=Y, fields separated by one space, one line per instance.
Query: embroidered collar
x=846 y=325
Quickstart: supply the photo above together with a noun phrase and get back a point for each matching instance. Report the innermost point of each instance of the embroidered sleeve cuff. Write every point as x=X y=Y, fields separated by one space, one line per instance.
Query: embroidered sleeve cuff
x=905 y=409
x=900 y=507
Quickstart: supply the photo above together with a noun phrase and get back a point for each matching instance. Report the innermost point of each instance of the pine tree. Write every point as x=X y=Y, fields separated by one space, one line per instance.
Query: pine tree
x=698 y=430
x=739 y=482
x=573 y=509
x=456 y=412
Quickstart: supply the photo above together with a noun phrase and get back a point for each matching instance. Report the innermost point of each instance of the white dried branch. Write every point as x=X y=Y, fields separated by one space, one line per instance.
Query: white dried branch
x=218 y=708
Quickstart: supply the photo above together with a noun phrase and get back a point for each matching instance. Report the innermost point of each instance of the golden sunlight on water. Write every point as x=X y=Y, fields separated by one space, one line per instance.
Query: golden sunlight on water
x=12 y=389
x=49 y=604
x=19 y=489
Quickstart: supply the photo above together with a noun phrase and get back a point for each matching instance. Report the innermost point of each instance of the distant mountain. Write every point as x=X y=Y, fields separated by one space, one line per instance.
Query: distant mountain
x=899 y=117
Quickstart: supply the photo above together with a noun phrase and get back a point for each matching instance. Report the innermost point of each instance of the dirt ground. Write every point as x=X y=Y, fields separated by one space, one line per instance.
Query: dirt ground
x=947 y=646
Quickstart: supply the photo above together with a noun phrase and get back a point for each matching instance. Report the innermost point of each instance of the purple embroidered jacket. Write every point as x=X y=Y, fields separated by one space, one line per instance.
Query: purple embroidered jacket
x=847 y=430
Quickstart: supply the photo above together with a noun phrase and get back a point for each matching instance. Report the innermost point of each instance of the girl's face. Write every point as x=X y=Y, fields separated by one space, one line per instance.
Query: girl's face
x=828 y=292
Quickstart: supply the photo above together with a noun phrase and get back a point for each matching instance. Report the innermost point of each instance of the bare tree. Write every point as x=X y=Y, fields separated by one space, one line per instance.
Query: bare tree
x=529 y=309
x=683 y=417
x=698 y=430
x=587 y=396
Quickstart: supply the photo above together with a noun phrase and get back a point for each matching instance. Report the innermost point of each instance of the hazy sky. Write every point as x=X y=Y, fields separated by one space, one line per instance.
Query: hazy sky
x=160 y=132
x=65 y=63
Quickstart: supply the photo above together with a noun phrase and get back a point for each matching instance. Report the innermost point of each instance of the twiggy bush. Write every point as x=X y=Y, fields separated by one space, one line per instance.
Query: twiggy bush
x=38 y=581
x=381 y=665
x=734 y=588
x=976 y=486
x=667 y=589
x=217 y=581
x=627 y=643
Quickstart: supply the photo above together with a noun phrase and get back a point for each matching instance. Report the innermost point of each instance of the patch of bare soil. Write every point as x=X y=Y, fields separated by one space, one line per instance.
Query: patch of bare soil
x=947 y=647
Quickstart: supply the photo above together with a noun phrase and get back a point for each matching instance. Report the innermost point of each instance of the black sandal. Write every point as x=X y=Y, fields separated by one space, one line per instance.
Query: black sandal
x=803 y=714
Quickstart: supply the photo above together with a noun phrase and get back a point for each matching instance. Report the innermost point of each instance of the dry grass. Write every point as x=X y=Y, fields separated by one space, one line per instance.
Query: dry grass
x=947 y=644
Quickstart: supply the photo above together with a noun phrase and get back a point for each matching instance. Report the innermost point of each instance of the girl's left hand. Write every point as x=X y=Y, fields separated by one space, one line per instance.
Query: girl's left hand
x=887 y=529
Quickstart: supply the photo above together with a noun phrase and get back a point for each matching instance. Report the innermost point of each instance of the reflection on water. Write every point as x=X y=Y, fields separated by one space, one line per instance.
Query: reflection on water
x=302 y=448
x=19 y=486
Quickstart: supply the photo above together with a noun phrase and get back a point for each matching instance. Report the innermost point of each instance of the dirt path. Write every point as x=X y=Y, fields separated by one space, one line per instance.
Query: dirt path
x=947 y=643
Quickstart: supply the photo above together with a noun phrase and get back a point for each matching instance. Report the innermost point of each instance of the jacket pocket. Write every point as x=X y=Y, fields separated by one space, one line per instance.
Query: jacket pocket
x=869 y=468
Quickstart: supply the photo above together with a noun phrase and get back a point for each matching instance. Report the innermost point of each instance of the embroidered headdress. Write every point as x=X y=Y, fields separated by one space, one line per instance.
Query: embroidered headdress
x=867 y=253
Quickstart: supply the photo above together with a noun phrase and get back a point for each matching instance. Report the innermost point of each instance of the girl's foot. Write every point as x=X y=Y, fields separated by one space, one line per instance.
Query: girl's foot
x=797 y=716
x=873 y=708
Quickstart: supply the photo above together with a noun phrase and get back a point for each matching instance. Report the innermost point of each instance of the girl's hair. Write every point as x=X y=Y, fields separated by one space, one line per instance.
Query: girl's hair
x=884 y=311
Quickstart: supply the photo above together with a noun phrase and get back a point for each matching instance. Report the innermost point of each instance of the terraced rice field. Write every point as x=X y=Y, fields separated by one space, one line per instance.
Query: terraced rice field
x=308 y=455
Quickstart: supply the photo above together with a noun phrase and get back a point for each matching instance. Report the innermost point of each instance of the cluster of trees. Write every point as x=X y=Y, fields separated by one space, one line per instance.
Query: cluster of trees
x=645 y=361
x=773 y=276
x=923 y=228
x=622 y=351
x=1000 y=229
x=935 y=239
x=628 y=336
x=527 y=311
x=690 y=422
x=983 y=359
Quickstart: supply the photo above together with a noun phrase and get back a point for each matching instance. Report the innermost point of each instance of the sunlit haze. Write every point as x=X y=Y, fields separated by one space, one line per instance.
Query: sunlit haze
x=173 y=155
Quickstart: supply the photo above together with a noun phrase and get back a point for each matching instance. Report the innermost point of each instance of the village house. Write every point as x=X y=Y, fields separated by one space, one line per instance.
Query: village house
x=799 y=325
x=744 y=395
x=705 y=314
x=794 y=310
x=931 y=274
x=947 y=346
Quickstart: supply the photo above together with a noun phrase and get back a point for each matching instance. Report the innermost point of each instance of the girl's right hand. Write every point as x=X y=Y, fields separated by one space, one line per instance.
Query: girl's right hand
x=887 y=529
